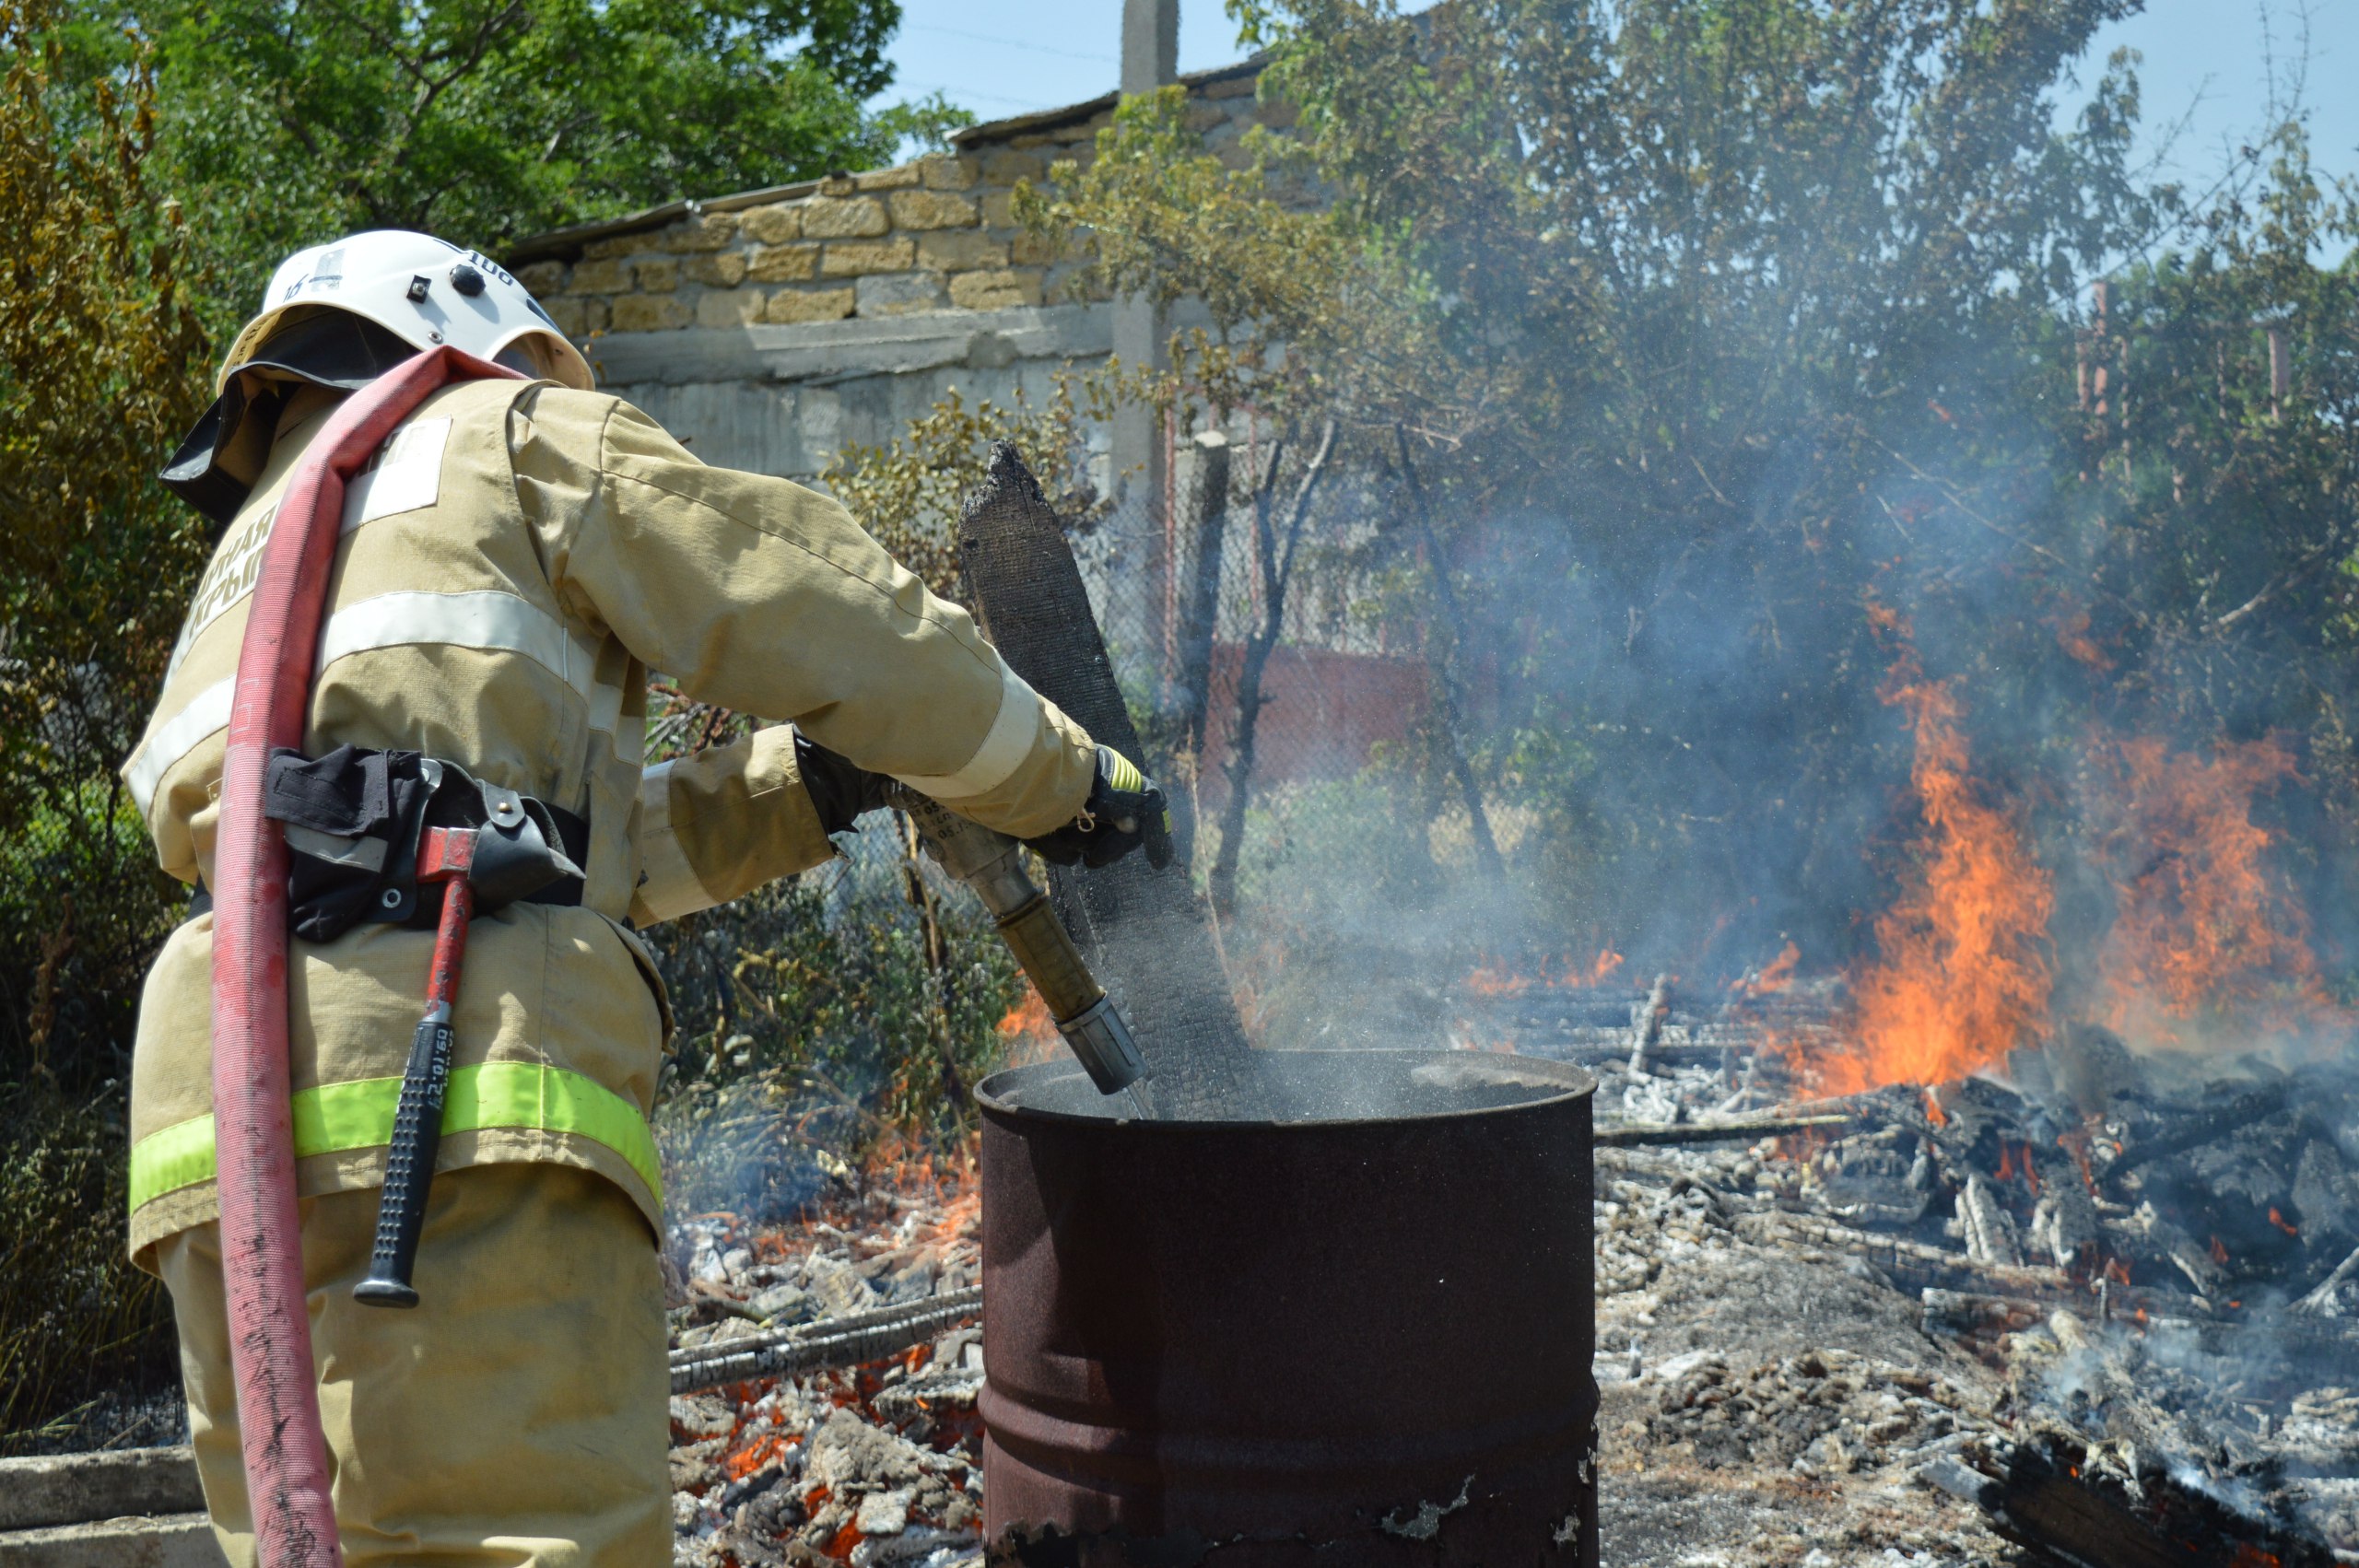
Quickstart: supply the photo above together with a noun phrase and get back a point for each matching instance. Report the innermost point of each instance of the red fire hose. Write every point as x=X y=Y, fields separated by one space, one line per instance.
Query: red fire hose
x=262 y=1254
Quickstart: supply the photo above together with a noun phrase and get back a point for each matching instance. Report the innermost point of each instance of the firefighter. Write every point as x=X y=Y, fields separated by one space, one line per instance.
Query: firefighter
x=516 y=559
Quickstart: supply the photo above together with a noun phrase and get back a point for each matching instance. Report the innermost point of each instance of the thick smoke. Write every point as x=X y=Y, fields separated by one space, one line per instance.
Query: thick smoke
x=1870 y=737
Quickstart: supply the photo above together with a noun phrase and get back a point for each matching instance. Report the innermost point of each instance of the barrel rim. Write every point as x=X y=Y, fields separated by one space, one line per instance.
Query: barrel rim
x=1578 y=1084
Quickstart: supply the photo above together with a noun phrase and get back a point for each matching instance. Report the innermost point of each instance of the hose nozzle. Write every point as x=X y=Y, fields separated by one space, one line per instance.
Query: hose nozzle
x=991 y=863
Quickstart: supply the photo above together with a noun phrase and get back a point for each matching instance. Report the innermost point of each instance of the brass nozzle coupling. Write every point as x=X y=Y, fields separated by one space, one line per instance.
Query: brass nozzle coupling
x=1085 y=1015
x=992 y=864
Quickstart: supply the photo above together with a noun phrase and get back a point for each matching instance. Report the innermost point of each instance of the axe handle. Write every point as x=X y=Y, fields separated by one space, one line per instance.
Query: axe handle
x=417 y=1117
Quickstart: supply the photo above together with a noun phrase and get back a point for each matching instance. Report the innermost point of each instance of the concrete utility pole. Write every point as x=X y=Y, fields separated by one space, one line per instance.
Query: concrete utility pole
x=1150 y=59
x=1150 y=43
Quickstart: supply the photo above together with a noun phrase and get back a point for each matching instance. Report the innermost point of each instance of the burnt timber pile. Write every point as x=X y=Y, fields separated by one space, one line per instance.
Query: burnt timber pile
x=1854 y=1343
x=2139 y=1270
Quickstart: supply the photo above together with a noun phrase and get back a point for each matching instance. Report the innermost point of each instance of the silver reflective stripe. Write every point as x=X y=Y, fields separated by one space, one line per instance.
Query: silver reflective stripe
x=1006 y=747
x=207 y=712
x=491 y=619
x=405 y=475
x=629 y=735
x=487 y=618
x=668 y=885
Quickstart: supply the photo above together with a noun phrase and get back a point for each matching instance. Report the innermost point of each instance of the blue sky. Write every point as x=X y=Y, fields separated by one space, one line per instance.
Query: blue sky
x=1003 y=57
x=2206 y=61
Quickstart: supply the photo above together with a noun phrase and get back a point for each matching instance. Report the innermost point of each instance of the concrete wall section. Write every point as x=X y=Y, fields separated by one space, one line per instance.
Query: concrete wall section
x=769 y=327
x=183 y=1541
x=69 y=1489
x=129 y=1509
x=783 y=398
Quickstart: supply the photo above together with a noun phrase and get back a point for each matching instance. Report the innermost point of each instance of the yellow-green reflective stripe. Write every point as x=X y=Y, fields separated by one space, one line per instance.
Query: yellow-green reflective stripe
x=334 y=1117
x=177 y=1156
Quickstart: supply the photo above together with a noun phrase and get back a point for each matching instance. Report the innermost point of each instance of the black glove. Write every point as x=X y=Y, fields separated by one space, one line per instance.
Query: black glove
x=839 y=792
x=1126 y=809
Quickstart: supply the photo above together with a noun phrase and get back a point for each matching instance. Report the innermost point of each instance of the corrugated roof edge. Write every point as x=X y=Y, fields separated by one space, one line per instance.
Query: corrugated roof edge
x=558 y=243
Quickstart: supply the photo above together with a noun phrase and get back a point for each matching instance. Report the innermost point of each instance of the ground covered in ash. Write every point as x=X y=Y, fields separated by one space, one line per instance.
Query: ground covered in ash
x=1765 y=1403
x=2098 y=1309
x=874 y=1464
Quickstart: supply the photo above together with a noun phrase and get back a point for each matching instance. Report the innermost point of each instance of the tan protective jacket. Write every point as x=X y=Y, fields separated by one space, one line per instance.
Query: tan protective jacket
x=515 y=560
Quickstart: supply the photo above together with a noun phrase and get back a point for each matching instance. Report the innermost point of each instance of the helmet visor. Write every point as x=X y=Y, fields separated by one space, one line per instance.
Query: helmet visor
x=326 y=347
x=317 y=345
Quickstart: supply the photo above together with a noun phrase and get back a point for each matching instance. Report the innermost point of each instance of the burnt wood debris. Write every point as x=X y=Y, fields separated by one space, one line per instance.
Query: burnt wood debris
x=2089 y=1309
x=2086 y=1307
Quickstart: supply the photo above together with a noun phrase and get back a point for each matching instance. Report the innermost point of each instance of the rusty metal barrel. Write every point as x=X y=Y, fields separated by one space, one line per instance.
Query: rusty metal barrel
x=1358 y=1330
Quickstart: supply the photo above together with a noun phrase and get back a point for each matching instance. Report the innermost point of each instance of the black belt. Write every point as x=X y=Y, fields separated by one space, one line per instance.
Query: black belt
x=353 y=819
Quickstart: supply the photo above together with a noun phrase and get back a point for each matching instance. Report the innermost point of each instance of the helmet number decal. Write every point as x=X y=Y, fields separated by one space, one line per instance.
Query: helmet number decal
x=485 y=264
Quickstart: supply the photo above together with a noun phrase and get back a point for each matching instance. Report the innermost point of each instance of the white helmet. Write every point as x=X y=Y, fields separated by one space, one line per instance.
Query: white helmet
x=425 y=291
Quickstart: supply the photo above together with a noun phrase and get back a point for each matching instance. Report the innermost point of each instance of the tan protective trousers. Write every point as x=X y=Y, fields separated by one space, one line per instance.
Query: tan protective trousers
x=516 y=1417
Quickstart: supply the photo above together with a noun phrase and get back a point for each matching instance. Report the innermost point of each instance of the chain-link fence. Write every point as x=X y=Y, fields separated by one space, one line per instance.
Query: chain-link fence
x=87 y=1353
x=1273 y=636
x=1268 y=695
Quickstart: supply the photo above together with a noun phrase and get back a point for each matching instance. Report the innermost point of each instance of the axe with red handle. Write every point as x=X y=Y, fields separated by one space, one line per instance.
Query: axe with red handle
x=445 y=855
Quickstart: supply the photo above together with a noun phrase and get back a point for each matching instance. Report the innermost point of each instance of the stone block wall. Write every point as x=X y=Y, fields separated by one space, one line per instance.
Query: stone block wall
x=939 y=234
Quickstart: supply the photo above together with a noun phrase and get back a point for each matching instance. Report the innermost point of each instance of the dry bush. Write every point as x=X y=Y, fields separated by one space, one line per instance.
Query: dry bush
x=102 y=365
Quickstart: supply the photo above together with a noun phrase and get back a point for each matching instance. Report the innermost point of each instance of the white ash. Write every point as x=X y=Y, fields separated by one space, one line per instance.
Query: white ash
x=2088 y=1243
x=1822 y=1412
x=1988 y=1230
x=1798 y=1368
x=876 y=1466
x=1765 y=1405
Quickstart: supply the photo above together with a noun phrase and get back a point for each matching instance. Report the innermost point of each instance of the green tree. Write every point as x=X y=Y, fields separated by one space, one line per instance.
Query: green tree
x=907 y=491
x=1679 y=333
x=286 y=124
x=101 y=364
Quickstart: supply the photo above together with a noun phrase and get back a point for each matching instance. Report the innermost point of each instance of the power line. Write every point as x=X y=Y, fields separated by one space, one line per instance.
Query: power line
x=955 y=92
x=1013 y=44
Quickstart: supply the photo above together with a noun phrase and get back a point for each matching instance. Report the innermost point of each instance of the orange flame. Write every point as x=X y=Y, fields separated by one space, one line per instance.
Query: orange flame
x=2203 y=922
x=2076 y=1143
x=2283 y=1223
x=2072 y=636
x=1496 y=977
x=2219 y=1253
x=745 y=1461
x=1777 y=975
x=1961 y=975
x=1027 y=1033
